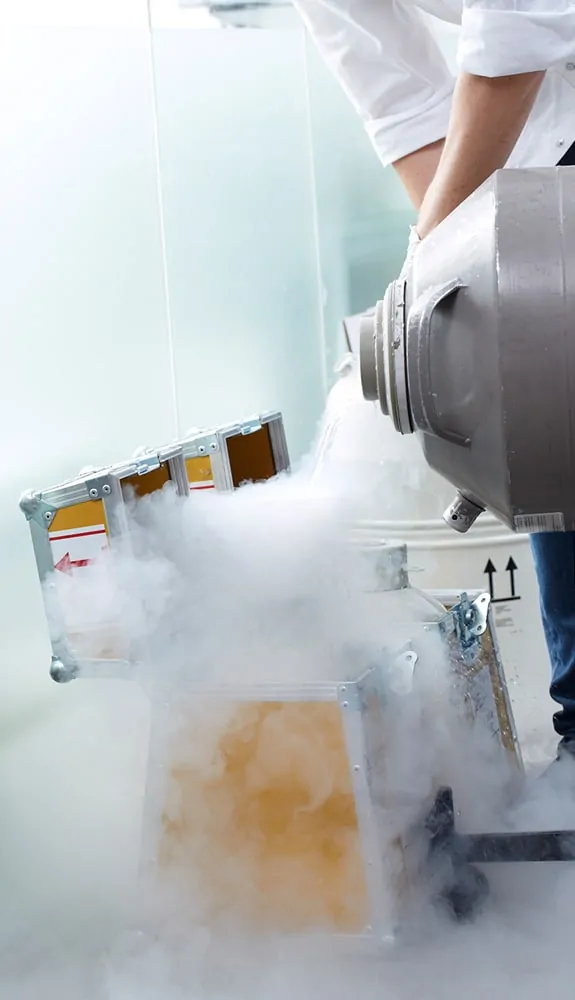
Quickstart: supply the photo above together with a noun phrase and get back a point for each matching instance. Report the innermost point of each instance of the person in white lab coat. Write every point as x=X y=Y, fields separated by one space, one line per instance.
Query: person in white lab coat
x=512 y=104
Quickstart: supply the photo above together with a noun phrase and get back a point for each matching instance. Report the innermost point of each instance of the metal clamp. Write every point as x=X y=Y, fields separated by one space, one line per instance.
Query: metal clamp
x=468 y=620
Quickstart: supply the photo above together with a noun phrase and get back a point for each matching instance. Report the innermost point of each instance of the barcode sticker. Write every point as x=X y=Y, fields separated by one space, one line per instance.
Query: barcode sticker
x=534 y=523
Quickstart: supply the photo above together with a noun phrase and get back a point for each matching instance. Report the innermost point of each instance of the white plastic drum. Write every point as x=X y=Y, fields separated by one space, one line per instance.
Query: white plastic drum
x=395 y=496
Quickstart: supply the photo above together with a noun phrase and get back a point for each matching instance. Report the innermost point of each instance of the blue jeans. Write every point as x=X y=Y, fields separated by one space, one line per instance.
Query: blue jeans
x=554 y=556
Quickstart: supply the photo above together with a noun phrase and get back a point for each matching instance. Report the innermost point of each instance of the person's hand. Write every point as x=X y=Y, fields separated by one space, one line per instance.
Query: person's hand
x=412 y=246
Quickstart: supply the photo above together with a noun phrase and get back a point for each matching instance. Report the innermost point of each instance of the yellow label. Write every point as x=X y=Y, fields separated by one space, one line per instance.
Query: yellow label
x=263 y=826
x=80 y=515
x=200 y=473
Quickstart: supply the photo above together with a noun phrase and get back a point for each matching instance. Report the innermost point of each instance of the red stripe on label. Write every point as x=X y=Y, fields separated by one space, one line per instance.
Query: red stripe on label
x=80 y=534
x=203 y=487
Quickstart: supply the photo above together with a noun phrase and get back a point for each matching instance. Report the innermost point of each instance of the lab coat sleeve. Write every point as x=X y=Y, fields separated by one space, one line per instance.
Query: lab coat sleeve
x=504 y=37
x=390 y=67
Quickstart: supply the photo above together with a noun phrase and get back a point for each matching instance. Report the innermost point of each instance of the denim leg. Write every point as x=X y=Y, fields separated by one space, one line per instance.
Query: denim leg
x=554 y=556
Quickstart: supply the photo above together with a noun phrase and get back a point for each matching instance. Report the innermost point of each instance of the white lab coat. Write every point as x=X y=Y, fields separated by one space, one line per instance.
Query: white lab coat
x=386 y=58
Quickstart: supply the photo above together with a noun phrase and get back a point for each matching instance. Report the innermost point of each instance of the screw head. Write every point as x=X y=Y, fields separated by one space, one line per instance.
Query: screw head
x=106 y=489
x=93 y=492
x=202 y=449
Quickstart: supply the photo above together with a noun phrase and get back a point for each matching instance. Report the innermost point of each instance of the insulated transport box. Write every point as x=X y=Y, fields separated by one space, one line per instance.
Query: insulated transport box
x=76 y=522
x=223 y=459
x=268 y=805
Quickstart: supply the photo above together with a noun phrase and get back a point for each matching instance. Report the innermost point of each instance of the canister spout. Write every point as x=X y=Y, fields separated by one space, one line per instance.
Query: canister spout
x=462 y=513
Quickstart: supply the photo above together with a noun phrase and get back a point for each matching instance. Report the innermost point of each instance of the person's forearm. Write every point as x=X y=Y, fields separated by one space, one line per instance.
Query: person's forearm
x=417 y=170
x=487 y=118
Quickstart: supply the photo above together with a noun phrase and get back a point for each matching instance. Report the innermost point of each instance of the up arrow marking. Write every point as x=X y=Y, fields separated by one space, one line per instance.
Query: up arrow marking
x=491 y=571
x=511 y=568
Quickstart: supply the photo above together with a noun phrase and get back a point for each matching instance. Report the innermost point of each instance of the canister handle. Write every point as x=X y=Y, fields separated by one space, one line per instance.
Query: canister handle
x=419 y=331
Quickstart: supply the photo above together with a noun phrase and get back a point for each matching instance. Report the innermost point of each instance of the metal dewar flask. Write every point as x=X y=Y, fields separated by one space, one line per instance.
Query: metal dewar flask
x=474 y=351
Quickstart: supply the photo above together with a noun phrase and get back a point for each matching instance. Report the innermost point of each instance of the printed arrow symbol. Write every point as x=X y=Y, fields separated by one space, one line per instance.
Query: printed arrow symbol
x=490 y=571
x=65 y=564
x=511 y=568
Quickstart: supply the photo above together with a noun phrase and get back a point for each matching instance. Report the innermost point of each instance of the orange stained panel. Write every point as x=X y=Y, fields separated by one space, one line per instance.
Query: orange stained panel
x=105 y=643
x=148 y=483
x=251 y=457
x=265 y=831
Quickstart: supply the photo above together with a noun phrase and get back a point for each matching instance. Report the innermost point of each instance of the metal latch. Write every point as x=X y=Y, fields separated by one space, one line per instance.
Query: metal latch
x=250 y=426
x=468 y=620
x=146 y=462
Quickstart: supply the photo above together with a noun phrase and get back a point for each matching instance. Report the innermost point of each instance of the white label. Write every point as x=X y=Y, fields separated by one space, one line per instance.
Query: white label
x=78 y=547
x=534 y=523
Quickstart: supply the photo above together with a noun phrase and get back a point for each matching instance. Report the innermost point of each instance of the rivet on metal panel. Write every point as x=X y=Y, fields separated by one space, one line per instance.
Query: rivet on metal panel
x=349 y=696
x=213 y=446
x=570 y=66
x=356 y=767
x=561 y=142
x=202 y=449
x=98 y=487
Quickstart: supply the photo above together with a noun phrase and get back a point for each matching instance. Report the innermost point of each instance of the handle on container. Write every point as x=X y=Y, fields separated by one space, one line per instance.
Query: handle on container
x=419 y=331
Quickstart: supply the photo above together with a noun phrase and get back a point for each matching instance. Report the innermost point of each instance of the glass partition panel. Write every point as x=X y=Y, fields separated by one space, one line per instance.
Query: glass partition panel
x=240 y=223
